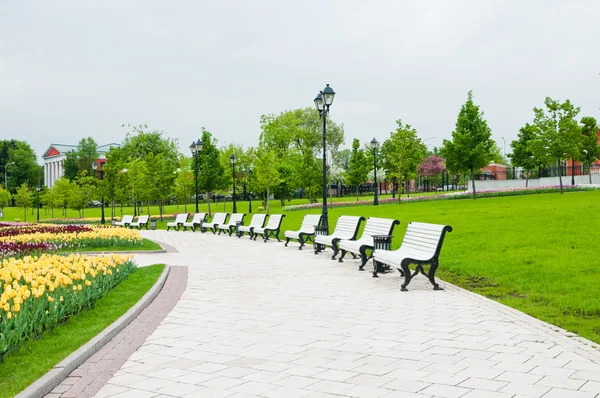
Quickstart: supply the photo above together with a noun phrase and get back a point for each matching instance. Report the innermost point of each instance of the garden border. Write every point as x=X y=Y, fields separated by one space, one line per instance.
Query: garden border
x=60 y=371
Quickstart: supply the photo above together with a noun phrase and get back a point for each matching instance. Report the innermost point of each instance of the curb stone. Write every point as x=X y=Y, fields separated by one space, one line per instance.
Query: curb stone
x=61 y=370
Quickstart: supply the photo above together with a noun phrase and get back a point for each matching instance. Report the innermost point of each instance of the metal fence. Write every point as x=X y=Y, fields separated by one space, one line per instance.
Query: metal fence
x=518 y=173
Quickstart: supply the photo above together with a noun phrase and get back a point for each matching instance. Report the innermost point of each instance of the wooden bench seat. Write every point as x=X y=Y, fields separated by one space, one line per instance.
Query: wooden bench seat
x=141 y=222
x=257 y=221
x=306 y=231
x=230 y=225
x=375 y=226
x=346 y=228
x=218 y=219
x=421 y=245
x=125 y=221
x=178 y=223
x=197 y=220
x=271 y=229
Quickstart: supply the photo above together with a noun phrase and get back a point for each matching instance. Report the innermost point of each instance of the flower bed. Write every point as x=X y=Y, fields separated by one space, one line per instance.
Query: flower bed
x=452 y=195
x=37 y=293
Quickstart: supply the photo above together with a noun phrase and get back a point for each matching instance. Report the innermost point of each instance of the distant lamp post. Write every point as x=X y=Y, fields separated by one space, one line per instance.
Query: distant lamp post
x=233 y=159
x=249 y=195
x=572 y=171
x=5 y=176
x=100 y=176
x=38 y=201
x=375 y=144
x=196 y=147
x=322 y=102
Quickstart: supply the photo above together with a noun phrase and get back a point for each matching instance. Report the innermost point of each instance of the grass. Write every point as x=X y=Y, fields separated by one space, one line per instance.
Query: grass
x=36 y=357
x=147 y=245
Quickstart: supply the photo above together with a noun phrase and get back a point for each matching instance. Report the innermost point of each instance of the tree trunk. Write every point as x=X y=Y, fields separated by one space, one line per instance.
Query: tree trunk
x=526 y=181
x=559 y=176
x=473 y=183
x=160 y=210
x=590 y=172
x=267 y=204
x=357 y=193
x=407 y=187
x=208 y=202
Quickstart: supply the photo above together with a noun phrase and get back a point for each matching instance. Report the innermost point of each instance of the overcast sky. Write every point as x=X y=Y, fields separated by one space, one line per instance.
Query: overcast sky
x=72 y=69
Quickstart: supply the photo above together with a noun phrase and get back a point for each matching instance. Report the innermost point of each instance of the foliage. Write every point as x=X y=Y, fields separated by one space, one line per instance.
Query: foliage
x=25 y=167
x=522 y=154
x=79 y=161
x=24 y=199
x=590 y=150
x=184 y=180
x=358 y=167
x=471 y=145
x=432 y=166
x=5 y=197
x=265 y=174
x=210 y=169
x=62 y=190
x=559 y=134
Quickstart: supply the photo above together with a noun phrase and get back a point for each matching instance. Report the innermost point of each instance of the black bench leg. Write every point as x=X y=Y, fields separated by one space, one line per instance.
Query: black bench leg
x=301 y=240
x=431 y=276
x=287 y=240
x=407 y=275
x=335 y=250
x=277 y=236
x=363 y=259
x=375 y=268
x=341 y=259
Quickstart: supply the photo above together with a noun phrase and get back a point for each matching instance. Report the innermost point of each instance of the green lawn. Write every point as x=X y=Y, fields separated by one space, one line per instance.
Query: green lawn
x=147 y=245
x=32 y=360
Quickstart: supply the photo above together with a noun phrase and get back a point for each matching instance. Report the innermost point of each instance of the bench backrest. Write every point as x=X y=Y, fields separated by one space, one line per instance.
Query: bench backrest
x=275 y=221
x=347 y=227
x=309 y=222
x=378 y=226
x=425 y=238
x=143 y=219
x=219 y=218
x=236 y=217
x=181 y=218
x=127 y=219
x=258 y=220
x=198 y=218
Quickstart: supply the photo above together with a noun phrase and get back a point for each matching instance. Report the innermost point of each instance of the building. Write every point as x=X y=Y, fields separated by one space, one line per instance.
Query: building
x=55 y=155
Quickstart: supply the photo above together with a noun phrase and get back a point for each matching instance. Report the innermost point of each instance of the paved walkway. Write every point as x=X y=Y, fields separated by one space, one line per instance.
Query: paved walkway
x=263 y=320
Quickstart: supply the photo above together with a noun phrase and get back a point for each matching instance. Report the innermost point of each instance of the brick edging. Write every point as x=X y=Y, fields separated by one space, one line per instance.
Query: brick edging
x=60 y=371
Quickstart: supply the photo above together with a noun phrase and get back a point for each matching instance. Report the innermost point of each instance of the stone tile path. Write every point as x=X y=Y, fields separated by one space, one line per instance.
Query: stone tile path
x=261 y=320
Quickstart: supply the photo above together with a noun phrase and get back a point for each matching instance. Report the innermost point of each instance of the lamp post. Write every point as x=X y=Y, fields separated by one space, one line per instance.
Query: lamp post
x=100 y=176
x=38 y=201
x=196 y=147
x=249 y=195
x=375 y=145
x=5 y=177
x=322 y=102
x=233 y=159
x=572 y=171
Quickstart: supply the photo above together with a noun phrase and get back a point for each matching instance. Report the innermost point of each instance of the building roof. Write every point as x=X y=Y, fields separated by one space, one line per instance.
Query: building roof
x=62 y=149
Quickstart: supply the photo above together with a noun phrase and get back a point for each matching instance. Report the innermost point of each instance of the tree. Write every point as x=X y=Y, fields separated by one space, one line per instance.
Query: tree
x=23 y=198
x=160 y=175
x=522 y=154
x=80 y=160
x=25 y=168
x=401 y=154
x=265 y=174
x=358 y=166
x=48 y=199
x=590 y=151
x=432 y=166
x=4 y=199
x=496 y=153
x=210 y=169
x=184 y=180
x=341 y=158
x=62 y=192
x=471 y=145
x=559 y=134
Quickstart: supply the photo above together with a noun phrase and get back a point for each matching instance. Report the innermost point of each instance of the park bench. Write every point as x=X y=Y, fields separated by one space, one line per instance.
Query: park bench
x=345 y=228
x=271 y=229
x=236 y=218
x=306 y=231
x=257 y=221
x=142 y=222
x=374 y=227
x=198 y=219
x=421 y=245
x=125 y=221
x=218 y=219
x=178 y=223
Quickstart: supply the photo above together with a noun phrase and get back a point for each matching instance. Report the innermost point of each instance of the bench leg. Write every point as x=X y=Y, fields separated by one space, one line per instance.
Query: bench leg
x=407 y=275
x=334 y=247
x=431 y=276
x=363 y=259
x=287 y=240
x=375 y=268
x=301 y=240
x=341 y=259
x=277 y=236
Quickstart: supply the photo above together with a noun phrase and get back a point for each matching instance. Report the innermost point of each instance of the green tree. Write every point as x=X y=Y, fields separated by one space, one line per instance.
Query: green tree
x=471 y=145
x=78 y=198
x=358 y=167
x=184 y=180
x=62 y=192
x=265 y=174
x=25 y=167
x=559 y=134
x=590 y=151
x=522 y=154
x=160 y=175
x=210 y=170
x=79 y=161
x=24 y=199
x=402 y=153
x=49 y=200
x=341 y=158
x=4 y=199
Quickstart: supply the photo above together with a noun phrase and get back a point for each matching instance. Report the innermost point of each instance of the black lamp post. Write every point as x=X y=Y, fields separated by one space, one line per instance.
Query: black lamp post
x=196 y=147
x=249 y=195
x=233 y=159
x=322 y=102
x=572 y=171
x=375 y=145
x=38 y=202
x=100 y=177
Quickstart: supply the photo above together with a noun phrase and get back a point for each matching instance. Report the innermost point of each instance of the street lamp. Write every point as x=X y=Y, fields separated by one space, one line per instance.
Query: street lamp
x=100 y=176
x=5 y=178
x=322 y=102
x=504 y=149
x=196 y=147
x=375 y=144
x=249 y=195
x=233 y=159
x=572 y=171
x=38 y=201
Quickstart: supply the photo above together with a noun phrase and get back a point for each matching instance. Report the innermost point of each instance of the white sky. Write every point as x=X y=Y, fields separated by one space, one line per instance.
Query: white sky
x=72 y=69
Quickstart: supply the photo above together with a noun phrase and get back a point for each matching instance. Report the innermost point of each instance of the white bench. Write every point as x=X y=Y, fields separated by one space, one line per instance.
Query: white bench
x=218 y=219
x=271 y=229
x=306 y=231
x=141 y=222
x=375 y=226
x=178 y=223
x=345 y=228
x=257 y=221
x=230 y=225
x=198 y=219
x=421 y=245
x=125 y=221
